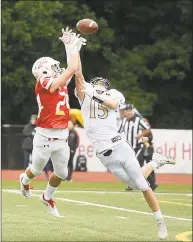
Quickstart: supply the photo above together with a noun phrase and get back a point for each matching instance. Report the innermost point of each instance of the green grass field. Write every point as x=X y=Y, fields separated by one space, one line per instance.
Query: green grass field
x=94 y=212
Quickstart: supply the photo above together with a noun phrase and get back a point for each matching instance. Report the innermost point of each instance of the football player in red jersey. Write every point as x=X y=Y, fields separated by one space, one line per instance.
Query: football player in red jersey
x=51 y=135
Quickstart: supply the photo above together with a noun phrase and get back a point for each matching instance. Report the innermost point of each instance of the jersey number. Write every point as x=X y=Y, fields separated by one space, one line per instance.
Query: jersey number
x=62 y=103
x=58 y=105
x=103 y=109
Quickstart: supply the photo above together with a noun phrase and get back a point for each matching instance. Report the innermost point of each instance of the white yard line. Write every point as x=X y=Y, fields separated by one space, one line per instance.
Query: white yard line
x=121 y=217
x=107 y=192
x=20 y=205
x=101 y=205
x=171 y=193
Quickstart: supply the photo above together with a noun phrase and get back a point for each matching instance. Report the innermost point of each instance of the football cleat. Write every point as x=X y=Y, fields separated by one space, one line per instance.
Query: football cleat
x=50 y=205
x=162 y=229
x=162 y=160
x=25 y=189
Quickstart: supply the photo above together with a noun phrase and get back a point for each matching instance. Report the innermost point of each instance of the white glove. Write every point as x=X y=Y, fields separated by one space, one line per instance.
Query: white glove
x=88 y=89
x=91 y=92
x=70 y=40
x=81 y=41
x=67 y=38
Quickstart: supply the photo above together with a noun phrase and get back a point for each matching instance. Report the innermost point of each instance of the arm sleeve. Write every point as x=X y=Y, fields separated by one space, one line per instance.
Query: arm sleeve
x=143 y=124
x=46 y=82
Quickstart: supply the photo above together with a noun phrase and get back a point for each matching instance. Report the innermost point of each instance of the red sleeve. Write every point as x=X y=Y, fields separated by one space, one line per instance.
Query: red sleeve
x=46 y=82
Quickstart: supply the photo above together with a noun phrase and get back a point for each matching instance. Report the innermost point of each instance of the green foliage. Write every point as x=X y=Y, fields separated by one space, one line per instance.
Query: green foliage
x=31 y=30
x=143 y=47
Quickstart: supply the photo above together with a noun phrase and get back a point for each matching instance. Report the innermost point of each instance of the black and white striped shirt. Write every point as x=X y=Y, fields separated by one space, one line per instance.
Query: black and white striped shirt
x=131 y=129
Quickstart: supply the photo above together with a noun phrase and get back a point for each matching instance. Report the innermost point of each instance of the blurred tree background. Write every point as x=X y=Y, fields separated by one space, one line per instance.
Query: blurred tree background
x=143 y=47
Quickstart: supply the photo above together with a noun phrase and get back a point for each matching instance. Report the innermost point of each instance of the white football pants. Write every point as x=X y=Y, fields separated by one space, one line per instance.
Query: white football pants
x=43 y=149
x=124 y=165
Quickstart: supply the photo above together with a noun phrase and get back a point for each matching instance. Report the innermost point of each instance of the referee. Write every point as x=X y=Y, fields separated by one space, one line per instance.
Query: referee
x=121 y=116
x=134 y=128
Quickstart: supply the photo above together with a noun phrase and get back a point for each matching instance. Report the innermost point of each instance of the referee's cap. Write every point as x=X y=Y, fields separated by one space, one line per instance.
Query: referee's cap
x=129 y=106
x=122 y=106
x=126 y=106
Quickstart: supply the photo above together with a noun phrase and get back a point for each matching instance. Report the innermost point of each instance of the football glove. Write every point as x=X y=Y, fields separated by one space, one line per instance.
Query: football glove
x=88 y=89
x=71 y=40
x=91 y=92
x=81 y=41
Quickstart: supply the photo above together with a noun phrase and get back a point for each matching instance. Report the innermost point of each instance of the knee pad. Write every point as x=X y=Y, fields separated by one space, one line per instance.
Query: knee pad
x=61 y=172
x=142 y=184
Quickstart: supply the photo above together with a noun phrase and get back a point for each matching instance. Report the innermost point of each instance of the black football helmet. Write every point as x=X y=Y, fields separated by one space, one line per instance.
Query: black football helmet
x=101 y=81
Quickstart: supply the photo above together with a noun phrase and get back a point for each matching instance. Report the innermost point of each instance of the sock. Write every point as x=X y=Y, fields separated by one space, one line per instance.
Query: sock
x=49 y=192
x=158 y=214
x=26 y=180
x=153 y=164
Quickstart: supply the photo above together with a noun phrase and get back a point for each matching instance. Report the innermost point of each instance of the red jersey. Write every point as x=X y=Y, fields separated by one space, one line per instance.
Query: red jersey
x=53 y=107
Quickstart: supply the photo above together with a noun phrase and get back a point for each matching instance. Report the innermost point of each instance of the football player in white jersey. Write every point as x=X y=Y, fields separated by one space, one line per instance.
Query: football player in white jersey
x=99 y=104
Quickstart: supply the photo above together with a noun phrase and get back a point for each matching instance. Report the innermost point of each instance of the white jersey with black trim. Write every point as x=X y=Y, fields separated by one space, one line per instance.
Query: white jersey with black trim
x=100 y=122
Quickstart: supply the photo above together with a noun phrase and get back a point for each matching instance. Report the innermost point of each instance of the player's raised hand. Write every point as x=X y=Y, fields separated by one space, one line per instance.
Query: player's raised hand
x=67 y=36
x=70 y=41
x=70 y=38
x=81 y=41
x=88 y=89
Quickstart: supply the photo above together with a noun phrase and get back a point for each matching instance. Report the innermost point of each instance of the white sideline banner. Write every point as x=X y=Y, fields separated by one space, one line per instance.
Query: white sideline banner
x=174 y=143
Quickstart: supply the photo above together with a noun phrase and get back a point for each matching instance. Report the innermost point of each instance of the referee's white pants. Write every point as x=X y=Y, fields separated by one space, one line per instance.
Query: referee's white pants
x=43 y=149
x=123 y=163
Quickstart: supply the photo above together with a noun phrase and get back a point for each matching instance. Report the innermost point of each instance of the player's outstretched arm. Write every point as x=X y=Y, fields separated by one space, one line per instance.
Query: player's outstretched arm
x=70 y=41
x=104 y=99
x=80 y=42
x=73 y=44
x=79 y=80
x=109 y=103
x=67 y=74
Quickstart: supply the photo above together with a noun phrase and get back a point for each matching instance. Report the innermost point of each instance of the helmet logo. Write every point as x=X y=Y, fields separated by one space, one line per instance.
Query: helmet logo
x=100 y=83
x=41 y=62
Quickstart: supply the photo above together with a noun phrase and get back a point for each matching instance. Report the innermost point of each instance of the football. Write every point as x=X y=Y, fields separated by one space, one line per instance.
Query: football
x=87 y=26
